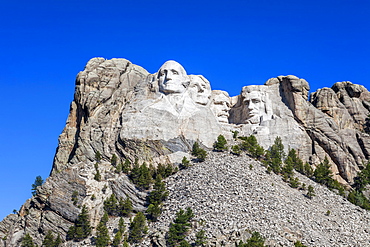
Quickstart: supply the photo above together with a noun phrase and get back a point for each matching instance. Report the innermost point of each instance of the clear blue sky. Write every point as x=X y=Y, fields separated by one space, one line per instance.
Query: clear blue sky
x=44 y=44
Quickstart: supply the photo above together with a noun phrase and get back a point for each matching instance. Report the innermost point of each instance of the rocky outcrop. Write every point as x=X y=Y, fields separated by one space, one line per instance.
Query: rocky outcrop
x=121 y=110
x=329 y=125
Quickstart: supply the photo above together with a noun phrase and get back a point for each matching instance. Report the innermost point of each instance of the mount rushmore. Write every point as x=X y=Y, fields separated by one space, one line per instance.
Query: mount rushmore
x=117 y=102
x=120 y=109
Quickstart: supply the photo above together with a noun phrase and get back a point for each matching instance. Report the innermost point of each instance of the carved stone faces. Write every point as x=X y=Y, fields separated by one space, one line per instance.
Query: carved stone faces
x=255 y=105
x=172 y=78
x=200 y=89
x=221 y=105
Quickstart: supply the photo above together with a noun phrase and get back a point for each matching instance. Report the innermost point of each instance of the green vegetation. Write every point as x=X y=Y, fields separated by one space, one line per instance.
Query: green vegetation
x=235 y=134
x=201 y=238
x=155 y=199
x=102 y=235
x=324 y=175
x=198 y=152
x=49 y=240
x=74 y=197
x=118 y=237
x=97 y=156
x=220 y=144
x=114 y=160
x=81 y=228
x=27 y=241
x=235 y=149
x=97 y=176
x=299 y=244
x=275 y=156
x=256 y=240
x=163 y=170
x=141 y=176
x=310 y=192
x=185 y=163
x=178 y=230
x=38 y=182
x=119 y=207
x=363 y=178
x=138 y=228
x=357 y=197
x=251 y=146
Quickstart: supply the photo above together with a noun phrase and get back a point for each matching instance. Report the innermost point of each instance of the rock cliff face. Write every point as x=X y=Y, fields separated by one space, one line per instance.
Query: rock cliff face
x=119 y=109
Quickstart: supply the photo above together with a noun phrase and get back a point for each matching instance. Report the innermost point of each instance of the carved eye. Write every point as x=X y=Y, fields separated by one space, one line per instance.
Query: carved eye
x=175 y=72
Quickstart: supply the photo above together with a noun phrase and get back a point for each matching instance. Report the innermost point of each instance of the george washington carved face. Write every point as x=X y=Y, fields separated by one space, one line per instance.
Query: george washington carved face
x=172 y=78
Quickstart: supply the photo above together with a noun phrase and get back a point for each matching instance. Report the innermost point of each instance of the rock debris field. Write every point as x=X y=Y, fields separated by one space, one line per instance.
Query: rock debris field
x=231 y=199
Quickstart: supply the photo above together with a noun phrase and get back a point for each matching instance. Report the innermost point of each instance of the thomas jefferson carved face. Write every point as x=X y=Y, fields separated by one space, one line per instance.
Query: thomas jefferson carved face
x=172 y=78
x=200 y=89
x=255 y=105
x=221 y=105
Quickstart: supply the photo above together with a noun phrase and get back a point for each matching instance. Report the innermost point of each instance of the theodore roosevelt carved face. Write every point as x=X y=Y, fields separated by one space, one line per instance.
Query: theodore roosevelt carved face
x=172 y=78
x=221 y=105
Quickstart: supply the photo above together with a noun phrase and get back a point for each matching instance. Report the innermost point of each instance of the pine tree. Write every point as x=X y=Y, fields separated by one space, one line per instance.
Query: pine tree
x=235 y=134
x=310 y=192
x=235 y=149
x=299 y=244
x=363 y=178
x=145 y=178
x=293 y=160
x=102 y=235
x=220 y=144
x=38 y=182
x=118 y=237
x=110 y=205
x=201 y=238
x=125 y=206
x=323 y=174
x=97 y=176
x=276 y=155
x=178 y=230
x=113 y=160
x=195 y=149
x=119 y=168
x=126 y=166
x=153 y=211
x=48 y=240
x=185 y=163
x=97 y=156
x=159 y=193
x=198 y=152
x=58 y=241
x=184 y=243
x=308 y=171
x=27 y=241
x=141 y=176
x=81 y=228
x=138 y=228
x=256 y=240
